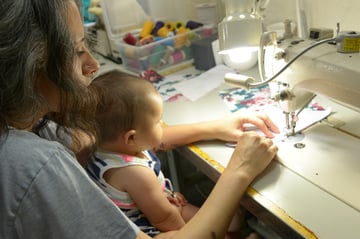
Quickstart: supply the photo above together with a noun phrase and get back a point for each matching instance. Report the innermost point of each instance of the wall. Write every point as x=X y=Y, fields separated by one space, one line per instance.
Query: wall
x=328 y=12
x=319 y=13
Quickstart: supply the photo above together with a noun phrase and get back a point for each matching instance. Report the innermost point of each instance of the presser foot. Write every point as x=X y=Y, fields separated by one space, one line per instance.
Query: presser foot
x=293 y=137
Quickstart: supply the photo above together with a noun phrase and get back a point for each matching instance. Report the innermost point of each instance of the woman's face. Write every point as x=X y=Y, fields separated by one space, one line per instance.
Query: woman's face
x=85 y=64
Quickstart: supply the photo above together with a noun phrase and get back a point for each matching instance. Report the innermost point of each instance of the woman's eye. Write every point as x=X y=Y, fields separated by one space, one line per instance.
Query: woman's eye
x=81 y=49
x=79 y=53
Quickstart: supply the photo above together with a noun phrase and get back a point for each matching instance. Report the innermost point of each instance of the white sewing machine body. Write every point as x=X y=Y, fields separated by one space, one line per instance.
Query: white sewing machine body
x=329 y=151
x=322 y=71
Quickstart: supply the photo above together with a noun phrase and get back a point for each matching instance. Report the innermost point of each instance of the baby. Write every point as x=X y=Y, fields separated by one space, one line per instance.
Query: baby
x=125 y=166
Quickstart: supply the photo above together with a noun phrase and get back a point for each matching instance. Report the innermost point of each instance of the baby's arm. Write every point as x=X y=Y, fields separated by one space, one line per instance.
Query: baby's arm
x=143 y=187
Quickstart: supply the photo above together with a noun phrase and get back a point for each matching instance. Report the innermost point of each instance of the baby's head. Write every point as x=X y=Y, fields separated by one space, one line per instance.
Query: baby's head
x=129 y=109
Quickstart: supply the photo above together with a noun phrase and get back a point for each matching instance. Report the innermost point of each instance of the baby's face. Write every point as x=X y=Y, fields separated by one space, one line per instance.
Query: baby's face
x=151 y=134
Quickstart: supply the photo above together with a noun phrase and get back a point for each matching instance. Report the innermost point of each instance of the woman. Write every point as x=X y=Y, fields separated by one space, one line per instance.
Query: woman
x=45 y=69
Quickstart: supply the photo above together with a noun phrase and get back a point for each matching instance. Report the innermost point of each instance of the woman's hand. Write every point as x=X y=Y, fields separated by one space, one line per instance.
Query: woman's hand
x=229 y=128
x=252 y=155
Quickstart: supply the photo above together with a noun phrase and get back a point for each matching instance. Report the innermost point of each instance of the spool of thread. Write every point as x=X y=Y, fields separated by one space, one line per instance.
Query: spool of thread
x=158 y=25
x=170 y=26
x=181 y=37
x=168 y=41
x=156 y=55
x=163 y=32
x=158 y=38
x=181 y=30
x=130 y=39
x=176 y=57
x=179 y=25
x=130 y=52
x=168 y=52
x=170 y=34
x=193 y=25
x=147 y=40
x=146 y=29
x=349 y=42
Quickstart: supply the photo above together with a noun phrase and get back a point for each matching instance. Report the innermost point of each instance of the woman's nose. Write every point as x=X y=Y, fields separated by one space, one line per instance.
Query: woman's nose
x=91 y=66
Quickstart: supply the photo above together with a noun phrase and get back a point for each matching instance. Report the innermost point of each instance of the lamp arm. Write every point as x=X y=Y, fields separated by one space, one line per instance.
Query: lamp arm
x=266 y=81
x=266 y=38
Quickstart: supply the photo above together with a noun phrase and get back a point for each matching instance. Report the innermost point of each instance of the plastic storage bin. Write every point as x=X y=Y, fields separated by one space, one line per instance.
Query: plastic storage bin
x=161 y=54
x=123 y=16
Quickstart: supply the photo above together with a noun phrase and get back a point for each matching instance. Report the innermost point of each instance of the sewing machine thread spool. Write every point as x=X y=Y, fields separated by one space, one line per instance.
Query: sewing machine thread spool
x=179 y=25
x=168 y=41
x=158 y=25
x=156 y=55
x=165 y=58
x=170 y=34
x=130 y=52
x=349 y=42
x=146 y=29
x=193 y=25
x=181 y=37
x=147 y=40
x=130 y=39
x=170 y=26
x=163 y=32
x=177 y=57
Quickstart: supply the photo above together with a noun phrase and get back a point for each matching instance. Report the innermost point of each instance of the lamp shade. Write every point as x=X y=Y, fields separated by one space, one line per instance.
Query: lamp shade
x=239 y=30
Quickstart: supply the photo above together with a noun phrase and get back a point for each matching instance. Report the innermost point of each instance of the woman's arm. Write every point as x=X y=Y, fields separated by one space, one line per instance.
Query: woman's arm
x=251 y=156
x=228 y=128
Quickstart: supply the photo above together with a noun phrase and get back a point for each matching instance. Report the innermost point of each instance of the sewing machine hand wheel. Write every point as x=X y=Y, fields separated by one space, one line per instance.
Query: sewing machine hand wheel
x=267 y=47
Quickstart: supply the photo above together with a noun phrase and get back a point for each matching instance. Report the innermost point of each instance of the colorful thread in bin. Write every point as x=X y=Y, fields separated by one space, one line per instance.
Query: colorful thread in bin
x=160 y=53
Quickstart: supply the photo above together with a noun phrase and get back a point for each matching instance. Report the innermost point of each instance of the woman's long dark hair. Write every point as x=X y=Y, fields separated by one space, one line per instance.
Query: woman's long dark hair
x=35 y=42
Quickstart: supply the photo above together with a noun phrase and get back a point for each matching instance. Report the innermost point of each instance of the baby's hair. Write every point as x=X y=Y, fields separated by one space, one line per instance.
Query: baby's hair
x=123 y=101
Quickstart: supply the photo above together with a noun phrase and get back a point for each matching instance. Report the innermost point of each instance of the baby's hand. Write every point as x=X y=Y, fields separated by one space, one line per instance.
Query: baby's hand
x=177 y=199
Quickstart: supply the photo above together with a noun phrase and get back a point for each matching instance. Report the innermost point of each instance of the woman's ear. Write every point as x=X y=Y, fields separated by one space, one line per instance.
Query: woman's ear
x=129 y=137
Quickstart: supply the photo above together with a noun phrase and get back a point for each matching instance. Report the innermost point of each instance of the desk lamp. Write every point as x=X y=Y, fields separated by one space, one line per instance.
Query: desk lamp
x=240 y=32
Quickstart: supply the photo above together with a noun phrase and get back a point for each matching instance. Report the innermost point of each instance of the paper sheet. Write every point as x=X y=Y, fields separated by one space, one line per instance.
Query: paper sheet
x=166 y=86
x=199 y=86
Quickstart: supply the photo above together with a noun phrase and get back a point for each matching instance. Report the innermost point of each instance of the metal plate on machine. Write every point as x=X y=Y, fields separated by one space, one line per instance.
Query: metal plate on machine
x=329 y=159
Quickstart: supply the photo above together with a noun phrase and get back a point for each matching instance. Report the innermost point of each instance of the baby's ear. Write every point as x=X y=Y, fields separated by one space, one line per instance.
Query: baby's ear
x=129 y=137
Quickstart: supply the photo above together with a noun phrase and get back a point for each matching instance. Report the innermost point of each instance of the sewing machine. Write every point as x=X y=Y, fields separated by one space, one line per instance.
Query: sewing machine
x=319 y=152
x=320 y=71
x=317 y=70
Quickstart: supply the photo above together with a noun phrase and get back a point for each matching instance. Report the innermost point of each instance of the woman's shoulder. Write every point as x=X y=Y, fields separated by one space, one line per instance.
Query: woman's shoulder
x=22 y=143
x=26 y=151
x=41 y=175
